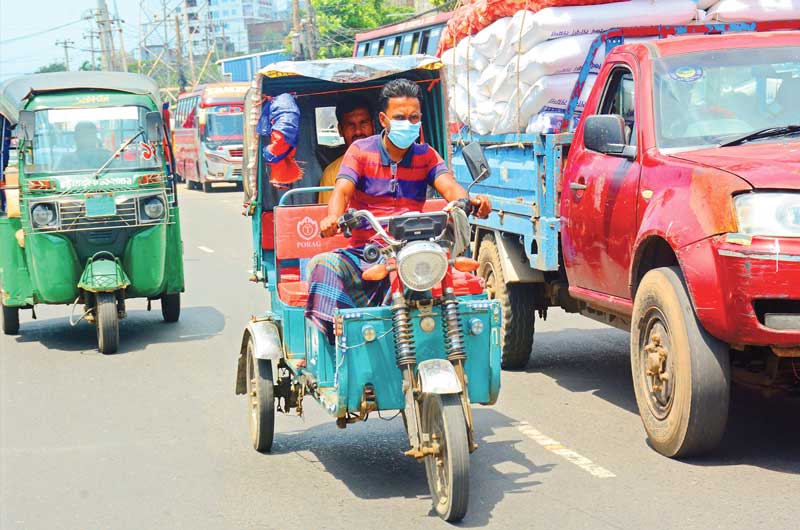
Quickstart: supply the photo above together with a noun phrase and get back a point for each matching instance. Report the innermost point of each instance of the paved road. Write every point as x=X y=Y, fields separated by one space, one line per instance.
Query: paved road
x=154 y=438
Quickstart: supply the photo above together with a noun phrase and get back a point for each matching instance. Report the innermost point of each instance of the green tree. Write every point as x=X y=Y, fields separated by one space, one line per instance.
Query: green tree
x=52 y=67
x=87 y=66
x=337 y=22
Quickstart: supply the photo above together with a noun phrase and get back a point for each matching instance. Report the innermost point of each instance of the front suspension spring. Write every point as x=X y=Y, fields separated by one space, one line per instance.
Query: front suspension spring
x=405 y=350
x=451 y=325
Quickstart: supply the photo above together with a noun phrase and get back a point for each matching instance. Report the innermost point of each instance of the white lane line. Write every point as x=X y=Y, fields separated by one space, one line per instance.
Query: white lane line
x=564 y=452
x=206 y=249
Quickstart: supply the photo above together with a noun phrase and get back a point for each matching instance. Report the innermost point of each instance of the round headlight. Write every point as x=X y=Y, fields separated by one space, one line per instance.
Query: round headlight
x=43 y=215
x=154 y=208
x=421 y=265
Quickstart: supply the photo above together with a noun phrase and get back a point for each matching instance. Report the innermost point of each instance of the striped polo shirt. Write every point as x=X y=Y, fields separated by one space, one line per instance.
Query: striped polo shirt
x=387 y=188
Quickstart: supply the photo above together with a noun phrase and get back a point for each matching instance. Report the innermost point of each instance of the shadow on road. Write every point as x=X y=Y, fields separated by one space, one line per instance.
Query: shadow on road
x=140 y=329
x=762 y=432
x=369 y=460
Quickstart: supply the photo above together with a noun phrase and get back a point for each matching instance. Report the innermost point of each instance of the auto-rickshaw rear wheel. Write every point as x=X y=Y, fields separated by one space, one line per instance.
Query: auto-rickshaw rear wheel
x=10 y=320
x=171 y=306
x=107 y=322
x=448 y=470
x=260 y=400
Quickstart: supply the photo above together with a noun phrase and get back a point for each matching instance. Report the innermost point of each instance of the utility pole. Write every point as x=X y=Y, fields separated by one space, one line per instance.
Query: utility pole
x=91 y=35
x=67 y=44
x=224 y=42
x=297 y=46
x=123 y=60
x=189 y=36
x=179 y=55
x=312 y=31
x=106 y=39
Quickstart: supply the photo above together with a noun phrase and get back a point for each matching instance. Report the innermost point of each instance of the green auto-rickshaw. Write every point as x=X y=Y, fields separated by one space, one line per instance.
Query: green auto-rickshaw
x=94 y=220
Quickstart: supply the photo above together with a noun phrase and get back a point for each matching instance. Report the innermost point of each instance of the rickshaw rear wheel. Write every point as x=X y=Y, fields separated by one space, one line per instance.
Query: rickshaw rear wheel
x=171 y=306
x=107 y=322
x=448 y=471
x=10 y=320
x=260 y=400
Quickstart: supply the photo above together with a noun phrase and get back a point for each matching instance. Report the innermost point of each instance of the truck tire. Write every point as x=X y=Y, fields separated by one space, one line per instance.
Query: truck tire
x=519 y=318
x=10 y=320
x=681 y=374
x=206 y=187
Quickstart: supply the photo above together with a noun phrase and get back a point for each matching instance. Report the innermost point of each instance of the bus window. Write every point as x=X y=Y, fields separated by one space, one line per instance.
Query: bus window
x=405 y=47
x=415 y=43
x=396 y=46
x=361 y=50
x=424 y=41
x=327 y=127
x=433 y=42
x=381 y=46
x=366 y=49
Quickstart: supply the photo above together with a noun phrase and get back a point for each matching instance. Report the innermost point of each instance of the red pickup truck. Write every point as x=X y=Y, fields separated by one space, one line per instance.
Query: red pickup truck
x=677 y=217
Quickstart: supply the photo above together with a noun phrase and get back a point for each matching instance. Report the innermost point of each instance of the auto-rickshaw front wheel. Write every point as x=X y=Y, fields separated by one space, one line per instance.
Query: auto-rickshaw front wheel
x=107 y=322
x=447 y=470
x=10 y=320
x=171 y=307
x=260 y=400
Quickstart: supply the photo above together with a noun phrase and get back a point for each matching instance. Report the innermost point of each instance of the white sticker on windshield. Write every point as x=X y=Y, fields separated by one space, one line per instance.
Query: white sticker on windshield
x=687 y=74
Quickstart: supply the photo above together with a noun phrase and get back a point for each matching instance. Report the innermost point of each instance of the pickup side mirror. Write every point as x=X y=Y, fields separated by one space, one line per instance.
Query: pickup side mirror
x=476 y=163
x=605 y=133
x=27 y=124
x=154 y=125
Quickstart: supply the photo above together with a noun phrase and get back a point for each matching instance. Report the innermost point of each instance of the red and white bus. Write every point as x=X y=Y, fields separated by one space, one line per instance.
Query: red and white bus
x=207 y=137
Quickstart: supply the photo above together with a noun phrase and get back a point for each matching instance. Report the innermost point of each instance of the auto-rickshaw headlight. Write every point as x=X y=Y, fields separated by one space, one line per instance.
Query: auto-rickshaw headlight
x=421 y=265
x=44 y=215
x=154 y=208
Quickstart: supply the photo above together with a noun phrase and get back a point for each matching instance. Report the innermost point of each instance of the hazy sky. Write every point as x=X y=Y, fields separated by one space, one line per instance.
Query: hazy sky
x=20 y=18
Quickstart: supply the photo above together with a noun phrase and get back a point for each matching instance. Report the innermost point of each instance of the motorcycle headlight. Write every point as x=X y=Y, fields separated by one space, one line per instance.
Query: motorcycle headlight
x=153 y=208
x=769 y=214
x=421 y=265
x=44 y=215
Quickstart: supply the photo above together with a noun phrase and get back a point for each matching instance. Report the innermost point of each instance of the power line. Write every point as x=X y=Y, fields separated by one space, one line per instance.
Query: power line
x=36 y=34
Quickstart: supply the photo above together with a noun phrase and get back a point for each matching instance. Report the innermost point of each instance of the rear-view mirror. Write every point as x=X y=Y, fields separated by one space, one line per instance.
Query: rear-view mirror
x=476 y=162
x=605 y=133
x=154 y=124
x=26 y=125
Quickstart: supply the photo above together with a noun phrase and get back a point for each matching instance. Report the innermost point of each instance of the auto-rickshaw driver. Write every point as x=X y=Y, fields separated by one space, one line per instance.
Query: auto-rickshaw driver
x=87 y=153
x=388 y=174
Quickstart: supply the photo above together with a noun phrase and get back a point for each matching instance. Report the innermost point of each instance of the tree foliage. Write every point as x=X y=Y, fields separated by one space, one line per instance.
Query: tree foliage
x=52 y=67
x=337 y=22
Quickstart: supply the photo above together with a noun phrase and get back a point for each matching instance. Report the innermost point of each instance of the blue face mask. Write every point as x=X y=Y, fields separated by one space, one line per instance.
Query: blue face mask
x=403 y=133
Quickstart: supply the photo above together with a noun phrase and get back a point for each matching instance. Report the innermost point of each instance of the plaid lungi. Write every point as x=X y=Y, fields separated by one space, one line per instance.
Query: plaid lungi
x=336 y=283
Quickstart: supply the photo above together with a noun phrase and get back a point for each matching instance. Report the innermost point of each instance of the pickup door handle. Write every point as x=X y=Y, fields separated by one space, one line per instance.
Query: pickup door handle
x=577 y=186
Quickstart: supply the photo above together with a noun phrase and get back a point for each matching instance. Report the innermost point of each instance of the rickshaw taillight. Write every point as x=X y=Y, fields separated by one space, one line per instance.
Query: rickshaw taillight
x=375 y=273
x=153 y=178
x=464 y=264
x=41 y=184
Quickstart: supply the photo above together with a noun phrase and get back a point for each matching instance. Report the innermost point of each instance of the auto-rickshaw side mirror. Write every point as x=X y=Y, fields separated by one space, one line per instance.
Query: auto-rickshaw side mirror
x=154 y=126
x=476 y=162
x=27 y=122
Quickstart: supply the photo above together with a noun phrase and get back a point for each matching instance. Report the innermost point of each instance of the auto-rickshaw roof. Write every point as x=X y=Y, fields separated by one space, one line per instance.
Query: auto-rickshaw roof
x=15 y=92
x=8 y=109
x=351 y=69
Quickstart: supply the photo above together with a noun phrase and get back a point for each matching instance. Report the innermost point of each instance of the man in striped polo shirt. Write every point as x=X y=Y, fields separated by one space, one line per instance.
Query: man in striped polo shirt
x=388 y=174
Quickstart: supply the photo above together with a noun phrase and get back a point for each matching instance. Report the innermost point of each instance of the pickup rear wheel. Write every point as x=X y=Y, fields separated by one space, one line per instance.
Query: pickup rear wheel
x=519 y=317
x=681 y=374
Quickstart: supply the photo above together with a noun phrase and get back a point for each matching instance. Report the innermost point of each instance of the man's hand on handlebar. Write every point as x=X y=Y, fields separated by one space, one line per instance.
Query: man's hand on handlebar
x=482 y=206
x=329 y=226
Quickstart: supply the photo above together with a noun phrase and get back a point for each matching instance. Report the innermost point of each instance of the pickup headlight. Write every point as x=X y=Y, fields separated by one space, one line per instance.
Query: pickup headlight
x=43 y=215
x=769 y=214
x=421 y=265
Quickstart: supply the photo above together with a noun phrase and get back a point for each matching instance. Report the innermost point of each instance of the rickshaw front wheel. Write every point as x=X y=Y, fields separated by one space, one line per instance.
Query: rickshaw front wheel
x=447 y=470
x=260 y=400
x=107 y=322
x=10 y=320
x=171 y=306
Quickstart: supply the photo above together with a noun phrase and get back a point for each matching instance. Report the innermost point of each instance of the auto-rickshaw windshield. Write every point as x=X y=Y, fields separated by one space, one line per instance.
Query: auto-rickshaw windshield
x=83 y=139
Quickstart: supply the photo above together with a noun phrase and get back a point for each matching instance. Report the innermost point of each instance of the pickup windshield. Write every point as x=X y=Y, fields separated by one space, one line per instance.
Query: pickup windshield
x=710 y=98
x=68 y=140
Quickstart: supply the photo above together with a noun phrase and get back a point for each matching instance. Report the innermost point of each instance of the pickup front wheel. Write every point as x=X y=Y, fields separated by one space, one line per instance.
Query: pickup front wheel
x=516 y=331
x=681 y=375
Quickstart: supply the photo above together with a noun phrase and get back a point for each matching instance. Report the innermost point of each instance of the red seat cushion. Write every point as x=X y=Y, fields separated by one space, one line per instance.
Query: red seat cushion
x=464 y=284
x=293 y=293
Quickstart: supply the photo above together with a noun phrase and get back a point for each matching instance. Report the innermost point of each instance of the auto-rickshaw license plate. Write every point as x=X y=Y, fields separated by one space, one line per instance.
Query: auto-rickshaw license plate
x=100 y=206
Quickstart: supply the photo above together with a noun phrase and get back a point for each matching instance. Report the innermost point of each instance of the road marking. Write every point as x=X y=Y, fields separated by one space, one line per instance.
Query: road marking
x=206 y=249
x=564 y=452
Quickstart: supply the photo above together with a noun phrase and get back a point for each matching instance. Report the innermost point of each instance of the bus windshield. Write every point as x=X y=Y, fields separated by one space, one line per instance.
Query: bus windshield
x=84 y=139
x=224 y=124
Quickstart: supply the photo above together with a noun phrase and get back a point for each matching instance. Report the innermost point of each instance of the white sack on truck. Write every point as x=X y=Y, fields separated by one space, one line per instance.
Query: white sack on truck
x=753 y=10
x=527 y=29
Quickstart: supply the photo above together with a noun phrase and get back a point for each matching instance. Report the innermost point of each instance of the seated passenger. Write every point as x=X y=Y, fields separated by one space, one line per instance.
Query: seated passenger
x=87 y=154
x=388 y=174
x=354 y=115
